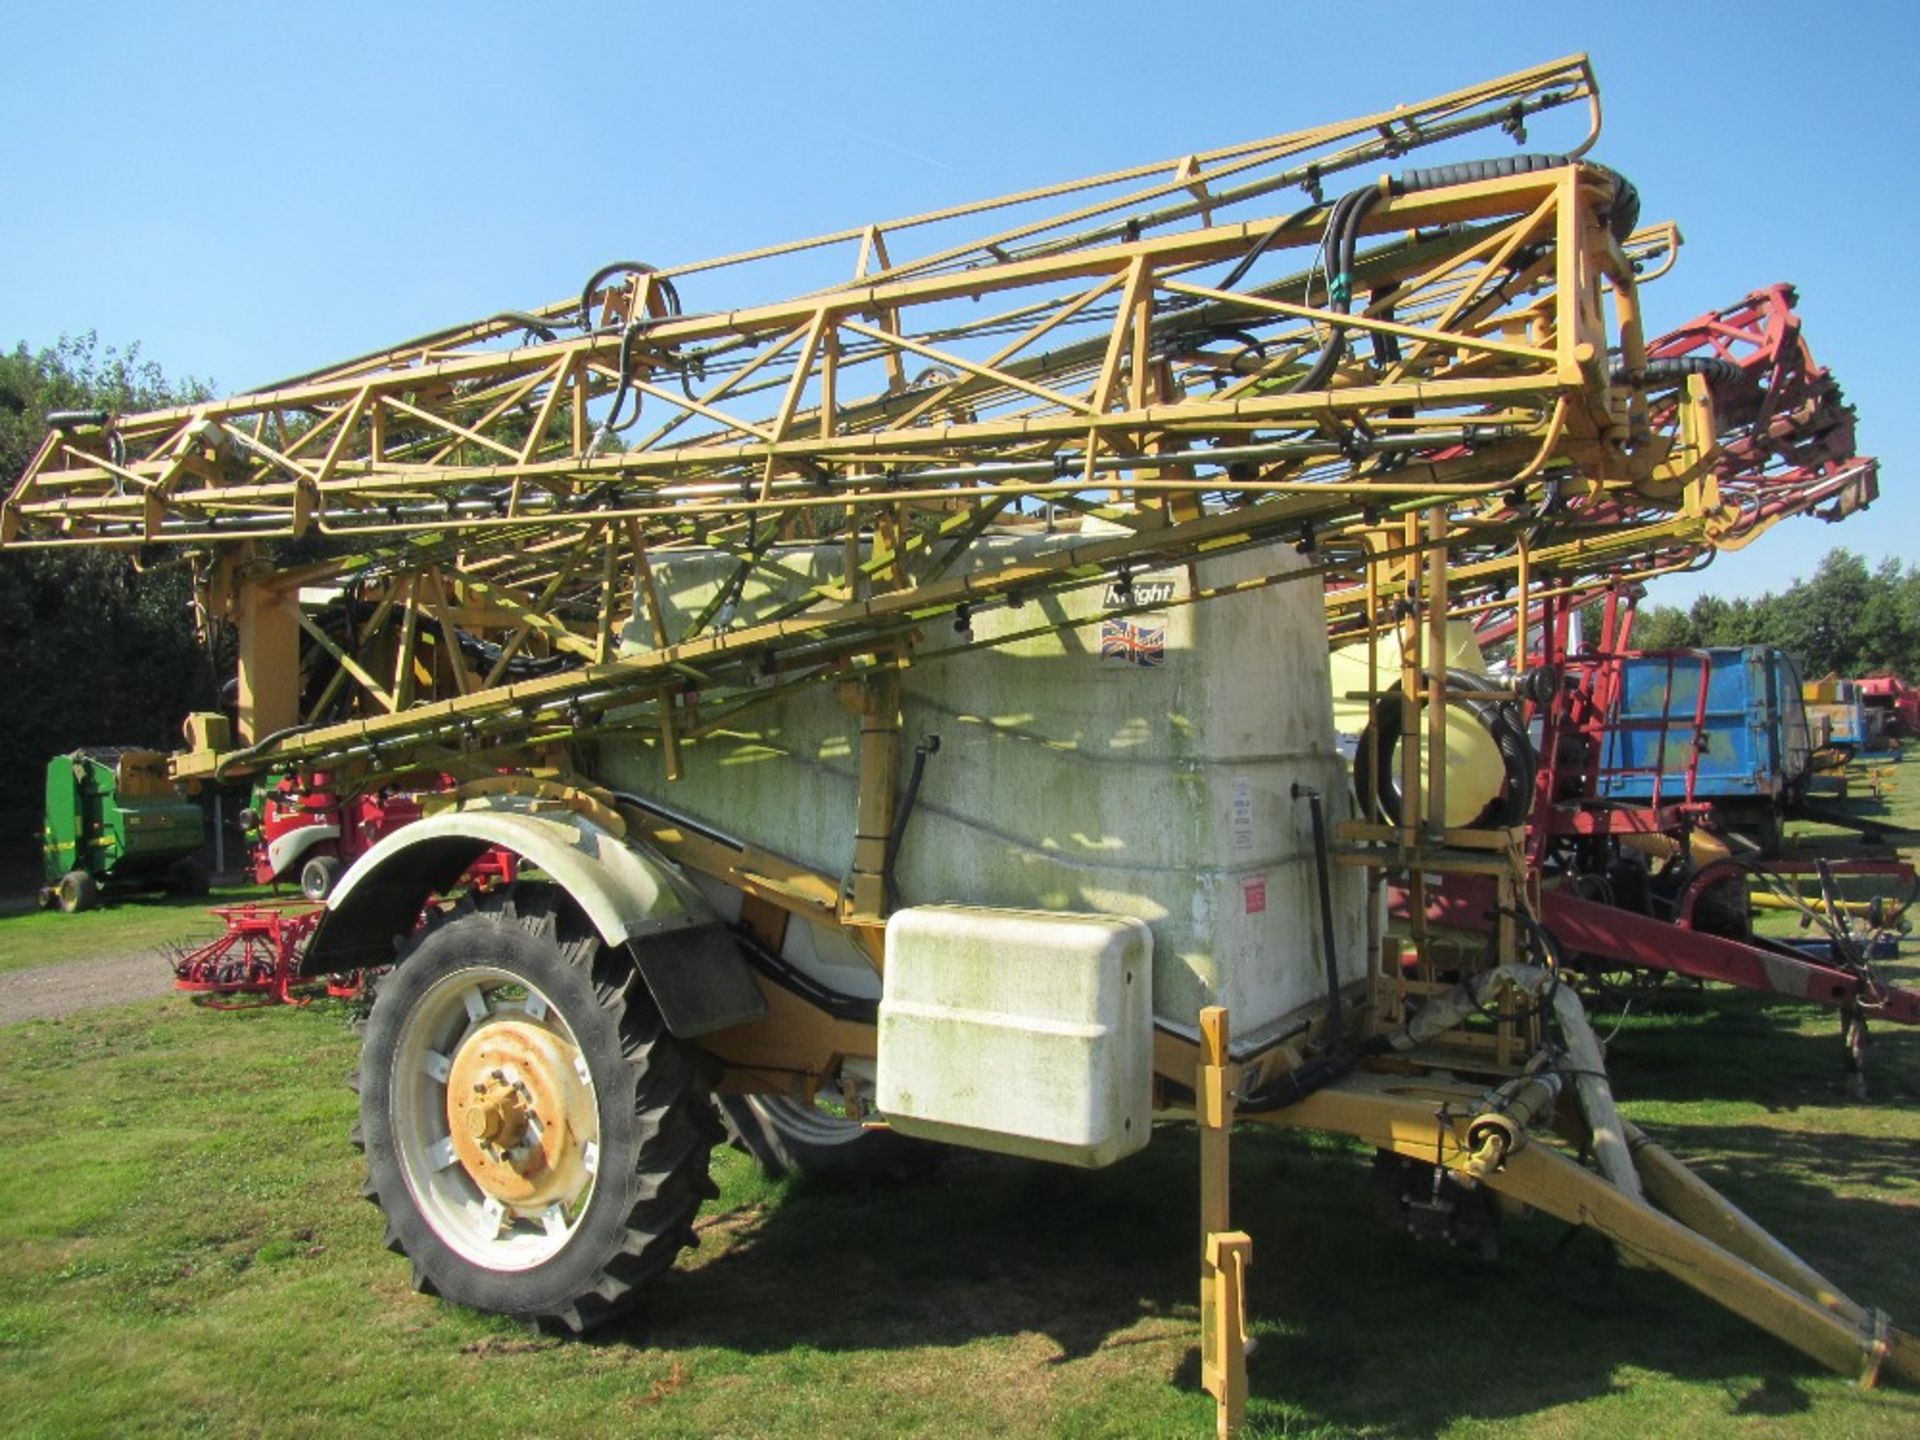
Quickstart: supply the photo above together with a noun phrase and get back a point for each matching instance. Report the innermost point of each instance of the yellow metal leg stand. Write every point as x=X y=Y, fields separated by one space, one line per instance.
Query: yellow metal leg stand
x=1224 y=1254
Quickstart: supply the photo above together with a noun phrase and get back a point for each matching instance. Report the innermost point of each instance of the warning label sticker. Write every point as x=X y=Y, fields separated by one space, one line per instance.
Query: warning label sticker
x=1242 y=812
x=1253 y=894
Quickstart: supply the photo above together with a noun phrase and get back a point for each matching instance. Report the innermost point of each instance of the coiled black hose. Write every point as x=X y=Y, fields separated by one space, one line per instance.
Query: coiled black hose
x=1623 y=216
x=1379 y=794
x=1668 y=368
x=670 y=301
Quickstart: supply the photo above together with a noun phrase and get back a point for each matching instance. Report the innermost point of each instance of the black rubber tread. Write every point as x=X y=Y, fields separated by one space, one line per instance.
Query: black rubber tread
x=77 y=891
x=319 y=876
x=657 y=1121
x=875 y=1156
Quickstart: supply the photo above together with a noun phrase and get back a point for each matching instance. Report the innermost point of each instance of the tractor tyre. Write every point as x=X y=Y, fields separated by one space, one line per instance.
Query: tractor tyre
x=77 y=891
x=535 y=1137
x=319 y=875
x=819 y=1139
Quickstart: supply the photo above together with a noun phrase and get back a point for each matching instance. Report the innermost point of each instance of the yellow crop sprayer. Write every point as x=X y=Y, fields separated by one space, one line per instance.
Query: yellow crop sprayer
x=898 y=660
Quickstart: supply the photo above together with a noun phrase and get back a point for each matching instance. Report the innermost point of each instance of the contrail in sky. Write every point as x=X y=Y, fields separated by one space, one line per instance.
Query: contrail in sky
x=883 y=143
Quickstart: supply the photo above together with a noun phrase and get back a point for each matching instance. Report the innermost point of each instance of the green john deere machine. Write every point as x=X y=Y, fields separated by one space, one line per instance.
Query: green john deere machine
x=114 y=822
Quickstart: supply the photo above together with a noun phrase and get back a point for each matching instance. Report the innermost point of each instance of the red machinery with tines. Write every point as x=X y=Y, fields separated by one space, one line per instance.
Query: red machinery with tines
x=255 y=961
x=1783 y=442
x=1784 y=434
x=309 y=828
x=1787 y=431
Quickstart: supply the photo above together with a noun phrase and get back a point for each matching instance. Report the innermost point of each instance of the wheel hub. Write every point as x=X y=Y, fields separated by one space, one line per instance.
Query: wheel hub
x=498 y=1115
x=520 y=1115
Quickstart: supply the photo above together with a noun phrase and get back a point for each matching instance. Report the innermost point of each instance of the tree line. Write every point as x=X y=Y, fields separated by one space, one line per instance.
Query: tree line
x=1849 y=618
x=96 y=647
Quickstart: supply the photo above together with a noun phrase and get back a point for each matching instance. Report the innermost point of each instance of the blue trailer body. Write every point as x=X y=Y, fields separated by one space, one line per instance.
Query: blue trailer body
x=1754 y=742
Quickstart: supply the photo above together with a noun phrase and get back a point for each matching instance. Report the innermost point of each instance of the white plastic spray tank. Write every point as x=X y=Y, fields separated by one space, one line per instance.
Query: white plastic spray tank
x=1138 y=760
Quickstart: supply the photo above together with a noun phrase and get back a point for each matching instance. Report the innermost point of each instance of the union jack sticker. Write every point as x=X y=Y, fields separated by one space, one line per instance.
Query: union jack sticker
x=1133 y=642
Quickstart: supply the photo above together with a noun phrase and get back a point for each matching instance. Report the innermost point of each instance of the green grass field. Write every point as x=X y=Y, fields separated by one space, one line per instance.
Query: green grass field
x=185 y=1252
x=123 y=927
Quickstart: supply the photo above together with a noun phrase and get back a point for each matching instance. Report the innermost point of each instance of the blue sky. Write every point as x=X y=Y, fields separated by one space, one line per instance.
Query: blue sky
x=251 y=190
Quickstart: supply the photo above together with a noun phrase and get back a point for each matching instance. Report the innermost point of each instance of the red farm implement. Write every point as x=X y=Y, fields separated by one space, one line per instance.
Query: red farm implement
x=255 y=961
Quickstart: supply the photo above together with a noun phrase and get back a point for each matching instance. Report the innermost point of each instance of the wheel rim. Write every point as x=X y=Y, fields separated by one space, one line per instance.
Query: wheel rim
x=495 y=1118
x=821 y=1121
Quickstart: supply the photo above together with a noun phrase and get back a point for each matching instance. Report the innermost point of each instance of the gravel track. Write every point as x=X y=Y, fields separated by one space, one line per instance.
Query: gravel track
x=45 y=992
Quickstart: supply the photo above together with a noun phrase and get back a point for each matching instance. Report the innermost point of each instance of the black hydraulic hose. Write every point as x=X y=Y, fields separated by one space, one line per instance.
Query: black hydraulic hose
x=520 y=667
x=1280 y=227
x=670 y=299
x=668 y=294
x=1323 y=868
x=1469 y=172
x=67 y=421
x=1338 y=241
x=234 y=757
x=622 y=387
x=1342 y=282
x=532 y=324
x=1545 y=946
x=929 y=745
x=1342 y=234
x=857 y=1009
x=1321 y=1071
x=1386 y=345
x=1295 y=1085
x=1623 y=216
x=1666 y=369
